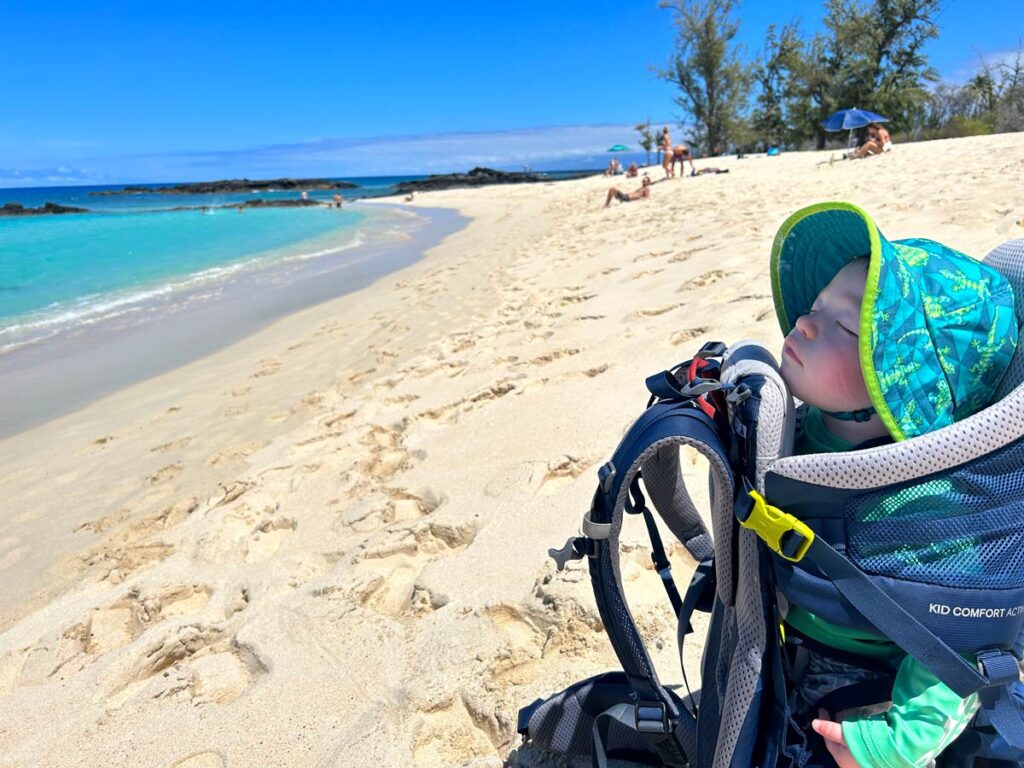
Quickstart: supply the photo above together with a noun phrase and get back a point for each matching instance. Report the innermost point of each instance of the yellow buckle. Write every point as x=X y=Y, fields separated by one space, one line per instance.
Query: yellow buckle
x=772 y=524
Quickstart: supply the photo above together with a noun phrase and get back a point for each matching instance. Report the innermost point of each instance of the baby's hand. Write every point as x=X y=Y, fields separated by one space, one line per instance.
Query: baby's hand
x=832 y=733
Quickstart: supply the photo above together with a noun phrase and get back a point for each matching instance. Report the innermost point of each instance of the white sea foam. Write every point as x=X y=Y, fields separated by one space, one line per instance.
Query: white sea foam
x=166 y=297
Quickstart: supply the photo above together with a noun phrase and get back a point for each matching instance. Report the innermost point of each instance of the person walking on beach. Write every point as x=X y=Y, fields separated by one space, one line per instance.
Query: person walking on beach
x=666 y=152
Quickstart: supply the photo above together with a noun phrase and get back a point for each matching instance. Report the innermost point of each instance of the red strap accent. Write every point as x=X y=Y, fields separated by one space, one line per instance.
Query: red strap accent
x=693 y=372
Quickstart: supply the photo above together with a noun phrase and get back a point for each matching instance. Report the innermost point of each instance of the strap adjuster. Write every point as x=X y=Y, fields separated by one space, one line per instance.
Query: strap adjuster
x=606 y=476
x=998 y=666
x=700 y=386
x=784 y=534
x=652 y=717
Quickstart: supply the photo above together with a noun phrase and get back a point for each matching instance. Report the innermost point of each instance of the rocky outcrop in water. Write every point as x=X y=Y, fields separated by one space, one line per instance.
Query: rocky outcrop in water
x=478 y=177
x=231 y=186
x=17 y=209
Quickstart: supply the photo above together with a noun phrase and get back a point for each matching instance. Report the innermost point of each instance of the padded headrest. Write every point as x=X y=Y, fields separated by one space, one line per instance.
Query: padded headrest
x=1008 y=258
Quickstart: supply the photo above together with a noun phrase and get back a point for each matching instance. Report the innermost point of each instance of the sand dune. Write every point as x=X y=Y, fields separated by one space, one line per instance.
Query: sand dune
x=326 y=545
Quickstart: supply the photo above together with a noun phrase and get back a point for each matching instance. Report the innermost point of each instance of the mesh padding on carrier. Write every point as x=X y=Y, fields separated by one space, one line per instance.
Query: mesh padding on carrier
x=1008 y=258
x=963 y=528
x=563 y=723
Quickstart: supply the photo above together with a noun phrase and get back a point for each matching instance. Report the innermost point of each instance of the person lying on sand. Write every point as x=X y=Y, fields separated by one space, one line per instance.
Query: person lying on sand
x=709 y=169
x=626 y=197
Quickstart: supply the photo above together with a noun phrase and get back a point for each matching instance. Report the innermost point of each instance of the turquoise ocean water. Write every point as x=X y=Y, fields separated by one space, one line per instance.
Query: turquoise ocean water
x=132 y=253
x=61 y=272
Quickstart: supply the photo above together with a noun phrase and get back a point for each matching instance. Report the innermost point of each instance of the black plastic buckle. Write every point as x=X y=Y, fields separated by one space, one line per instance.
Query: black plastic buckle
x=711 y=349
x=652 y=717
x=738 y=395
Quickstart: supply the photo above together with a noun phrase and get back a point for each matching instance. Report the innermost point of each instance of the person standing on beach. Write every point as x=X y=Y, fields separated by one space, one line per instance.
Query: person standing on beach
x=666 y=152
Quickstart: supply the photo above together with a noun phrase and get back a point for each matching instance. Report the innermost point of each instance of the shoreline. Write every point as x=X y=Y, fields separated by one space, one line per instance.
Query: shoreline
x=336 y=529
x=53 y=377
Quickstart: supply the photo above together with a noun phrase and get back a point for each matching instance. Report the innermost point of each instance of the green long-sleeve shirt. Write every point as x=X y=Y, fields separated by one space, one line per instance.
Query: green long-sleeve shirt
x=926 y=715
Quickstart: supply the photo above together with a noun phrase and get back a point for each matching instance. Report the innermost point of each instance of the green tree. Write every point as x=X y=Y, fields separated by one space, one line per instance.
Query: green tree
x=773 y=75
x=871 y=56
x=713 y=82
x=647 y=138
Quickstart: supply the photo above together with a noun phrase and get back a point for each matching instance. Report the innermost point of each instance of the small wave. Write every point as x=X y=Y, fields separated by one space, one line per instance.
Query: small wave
x=173 y=295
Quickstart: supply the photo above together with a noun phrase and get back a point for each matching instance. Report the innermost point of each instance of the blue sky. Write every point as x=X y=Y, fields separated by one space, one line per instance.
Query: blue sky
x=159 y=91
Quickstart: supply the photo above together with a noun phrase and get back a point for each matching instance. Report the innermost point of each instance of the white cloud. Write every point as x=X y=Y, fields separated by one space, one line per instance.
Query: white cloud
x=996 y=61
x=568 y=146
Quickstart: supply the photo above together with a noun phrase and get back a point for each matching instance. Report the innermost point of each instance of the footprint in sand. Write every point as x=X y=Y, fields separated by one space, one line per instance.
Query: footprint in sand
x=268 y=538
x=562 y=472
x=115 y=563
x=448 y=734
x=121 y=622
x=267 y=368
x=687 y=334
x=173 y=445
x=654 y=311
x=645 y=273
x=198 y=663
x=236 y=453
x=360 y=375
x=244 y=534
x=385 y=570
x=702 y=281
x=164 y=474
x=687 y=254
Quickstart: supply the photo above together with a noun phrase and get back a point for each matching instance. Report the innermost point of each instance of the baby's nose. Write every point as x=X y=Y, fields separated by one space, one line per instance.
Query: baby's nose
x=805 y=325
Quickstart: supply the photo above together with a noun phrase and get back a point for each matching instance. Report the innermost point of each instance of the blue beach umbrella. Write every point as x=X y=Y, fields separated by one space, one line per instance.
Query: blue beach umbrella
x=618 y=148
x=849 y=119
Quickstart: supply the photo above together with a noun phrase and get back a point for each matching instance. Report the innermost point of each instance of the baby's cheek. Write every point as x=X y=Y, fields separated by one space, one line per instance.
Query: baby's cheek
x=846 y=382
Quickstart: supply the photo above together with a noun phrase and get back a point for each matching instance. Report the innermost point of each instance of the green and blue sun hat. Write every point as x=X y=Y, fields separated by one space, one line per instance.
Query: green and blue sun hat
x=937 y=328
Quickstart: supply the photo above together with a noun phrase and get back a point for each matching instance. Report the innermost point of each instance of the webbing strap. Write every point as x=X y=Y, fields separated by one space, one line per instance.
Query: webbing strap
x=638 y=506
x=1000 y=710
x=661 y=563
x=895 y=622
x=891 y=619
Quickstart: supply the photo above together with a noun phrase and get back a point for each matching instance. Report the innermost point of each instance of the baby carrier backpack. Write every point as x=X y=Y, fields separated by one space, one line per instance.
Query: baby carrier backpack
x=941 y=574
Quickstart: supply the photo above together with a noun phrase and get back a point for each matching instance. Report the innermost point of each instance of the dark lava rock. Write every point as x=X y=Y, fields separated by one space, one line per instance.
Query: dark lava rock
x=478 y=177
x=17 y=209
x=231 y=186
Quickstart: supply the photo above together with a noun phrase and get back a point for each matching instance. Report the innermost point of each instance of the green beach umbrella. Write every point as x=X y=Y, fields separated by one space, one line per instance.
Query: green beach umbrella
x=618 y=148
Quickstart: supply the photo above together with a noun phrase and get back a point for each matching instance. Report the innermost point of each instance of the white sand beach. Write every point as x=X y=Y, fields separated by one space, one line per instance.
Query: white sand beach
x=326 y=545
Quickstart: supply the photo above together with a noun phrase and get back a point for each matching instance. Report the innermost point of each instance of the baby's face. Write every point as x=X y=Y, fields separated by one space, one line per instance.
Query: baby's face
x=820 y=359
